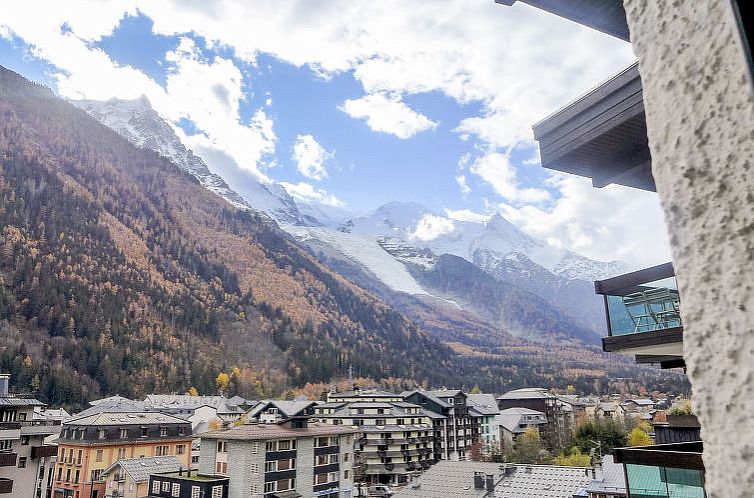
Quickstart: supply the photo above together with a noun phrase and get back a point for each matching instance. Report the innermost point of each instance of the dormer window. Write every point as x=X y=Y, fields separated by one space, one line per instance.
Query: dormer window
x=123 y=433
x=451 y=401
x=163 y=431
x=101 y=434
x=144 y=431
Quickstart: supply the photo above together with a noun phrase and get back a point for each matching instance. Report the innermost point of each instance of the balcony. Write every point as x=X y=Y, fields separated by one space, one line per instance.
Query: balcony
x=643 y=315
x=8 y=459
x=6 y=486
x=10 y=430
x=43 y=451
x=664 y=470
x=40 y=427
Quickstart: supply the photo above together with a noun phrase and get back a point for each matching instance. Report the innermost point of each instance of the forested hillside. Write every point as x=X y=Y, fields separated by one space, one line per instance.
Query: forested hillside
x=121 y=274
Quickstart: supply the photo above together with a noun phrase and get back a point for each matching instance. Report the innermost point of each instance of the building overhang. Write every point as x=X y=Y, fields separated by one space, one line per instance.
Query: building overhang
x=601 y=135
x=673 y=455
x=607 y=16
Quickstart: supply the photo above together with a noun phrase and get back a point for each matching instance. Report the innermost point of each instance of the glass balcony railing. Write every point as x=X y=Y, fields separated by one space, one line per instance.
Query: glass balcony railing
x=643 y=301
x=645 y=481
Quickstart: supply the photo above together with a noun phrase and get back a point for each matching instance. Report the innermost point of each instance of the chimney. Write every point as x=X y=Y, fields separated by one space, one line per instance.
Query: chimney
x=478 y=480
x=489 y=483
x=4 y=383
x=180 y=471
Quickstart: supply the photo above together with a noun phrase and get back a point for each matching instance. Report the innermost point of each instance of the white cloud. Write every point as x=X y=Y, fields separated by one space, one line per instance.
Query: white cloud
x=388 y=115
x=466 y=215
x=496 y=169
x=310 y=157
x=461 y=181
x=431 y=226
x=605 y=224
x=303 y=191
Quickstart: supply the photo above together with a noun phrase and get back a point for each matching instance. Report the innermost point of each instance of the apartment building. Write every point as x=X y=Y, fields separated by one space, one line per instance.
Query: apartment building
x=92 y=441
x=513 y=422
x=284 y=459
x=455 y=429
x=560 y=417
x=395 y=439
x=483 y=408
x=129 y=478
x=26 y=462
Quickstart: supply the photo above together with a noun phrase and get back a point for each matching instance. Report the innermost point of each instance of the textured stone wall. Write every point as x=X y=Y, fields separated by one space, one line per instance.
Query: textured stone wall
x=700 y=118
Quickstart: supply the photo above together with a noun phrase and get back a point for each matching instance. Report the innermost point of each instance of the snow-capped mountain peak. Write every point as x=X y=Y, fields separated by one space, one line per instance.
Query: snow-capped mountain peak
x=140 y=124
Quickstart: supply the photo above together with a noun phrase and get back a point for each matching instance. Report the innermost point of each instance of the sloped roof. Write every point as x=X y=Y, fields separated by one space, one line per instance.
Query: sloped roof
x=640 y=402
x=456 y=479
x=113 y=404
x=287 y=408
x=12 y=401
x=485 y=404
x=543 y=481
x=527 y=393
x=139 y=469
x=186 y=401
x=610 y=479
x=512 y=419
x=126 y=418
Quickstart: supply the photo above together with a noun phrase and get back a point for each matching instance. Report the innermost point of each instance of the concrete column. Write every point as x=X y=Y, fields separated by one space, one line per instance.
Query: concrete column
x=700 y=119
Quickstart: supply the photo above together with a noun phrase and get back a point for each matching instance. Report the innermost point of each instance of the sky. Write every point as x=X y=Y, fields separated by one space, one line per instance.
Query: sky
x=357 y=103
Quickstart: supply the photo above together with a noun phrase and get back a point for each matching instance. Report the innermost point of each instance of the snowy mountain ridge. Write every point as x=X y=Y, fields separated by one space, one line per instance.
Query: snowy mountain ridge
x=136 y=121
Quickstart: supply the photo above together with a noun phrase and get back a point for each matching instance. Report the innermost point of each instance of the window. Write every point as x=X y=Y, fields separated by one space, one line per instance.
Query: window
x=181 y=431
x=121 y=453
x=25 y=440
x=145 y=433
x=322 y=441
x=81 y=433
x=176 y=492
x=163 y=431
x=269 y=487
x=162 y=450
x=123 y=433
x=180 y=449
x=67 y=475
x=101 y=434
x=346 y=457
x=285 y=484
x=194 y=491
x=21 y=462
x=76 y=478
x=155 y=487
x=222 y=446
x=98 y=456
x=284 y=445
x=96 y=474
x=217 y=492
x=345 y=474
x=380 y=421
x=451 y=401
x=358 y=422
x=287 y=464
x=78 y=461
x=270 y=466
x=254 y=448
x=165 y=486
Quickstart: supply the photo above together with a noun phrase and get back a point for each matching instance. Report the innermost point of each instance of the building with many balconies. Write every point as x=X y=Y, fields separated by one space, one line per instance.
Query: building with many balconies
x=286 y=459
x=395 y=439
x=26 y=462
x=456 y=430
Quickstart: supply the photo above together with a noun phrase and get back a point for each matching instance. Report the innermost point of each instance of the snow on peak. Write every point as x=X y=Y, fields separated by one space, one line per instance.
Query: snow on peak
x=140 y=124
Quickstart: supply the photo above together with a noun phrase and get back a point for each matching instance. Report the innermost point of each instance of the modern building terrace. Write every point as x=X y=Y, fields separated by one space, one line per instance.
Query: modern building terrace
x=643 y=315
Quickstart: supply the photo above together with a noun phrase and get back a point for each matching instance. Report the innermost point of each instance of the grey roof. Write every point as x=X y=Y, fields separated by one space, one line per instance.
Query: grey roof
x=456 y=479
x=126 y=418
x=527 y=393
x=448 y=479
x=186 y=401
x=483 y=404
x=607 y=407
x=286 y=408
x=365 y=393
x=512 y=419
x=112 y=404
x=139 y=469
x=263 y=432
x=13 y=401
x=640 y=402
x=610 y=480
x=543 y=481
x=435 y=396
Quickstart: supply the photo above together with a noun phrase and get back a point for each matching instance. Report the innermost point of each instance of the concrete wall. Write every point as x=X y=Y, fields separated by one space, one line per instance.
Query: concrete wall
x=700 y=118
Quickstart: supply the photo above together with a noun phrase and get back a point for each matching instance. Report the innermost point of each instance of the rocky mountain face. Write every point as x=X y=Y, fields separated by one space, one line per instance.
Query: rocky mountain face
x=137 y=122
